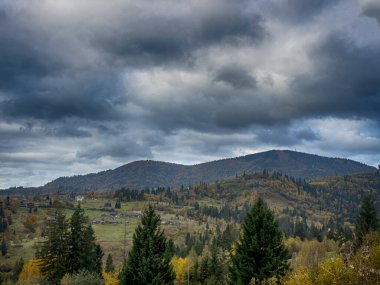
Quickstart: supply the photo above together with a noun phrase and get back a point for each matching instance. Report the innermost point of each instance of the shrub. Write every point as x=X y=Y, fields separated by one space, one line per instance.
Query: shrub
x=82 y=278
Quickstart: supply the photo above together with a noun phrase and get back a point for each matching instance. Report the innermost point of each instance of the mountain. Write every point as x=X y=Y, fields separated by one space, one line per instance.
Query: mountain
x=142 y=174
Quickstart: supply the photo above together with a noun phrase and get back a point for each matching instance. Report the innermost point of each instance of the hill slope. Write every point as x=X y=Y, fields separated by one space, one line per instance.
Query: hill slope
x=141 y=174
x=337 y=196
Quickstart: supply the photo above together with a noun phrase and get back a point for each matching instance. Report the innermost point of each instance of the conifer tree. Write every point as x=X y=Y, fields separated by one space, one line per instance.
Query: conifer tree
x=194 y=277
x=4 y=247
x=109 y=264
x=84 y=253
x=148 y=261
x=260 y=253
x=53 y=256
x=97 y=264
x=215 y=266
x=204 y=269
x=367 y=220
x=19 y=265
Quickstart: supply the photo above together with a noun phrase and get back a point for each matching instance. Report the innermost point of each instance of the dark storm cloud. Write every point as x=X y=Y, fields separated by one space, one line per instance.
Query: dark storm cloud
x=371 y=8
x=307 y=135
x=93 y=96
x=151 y=37
x=68 y=131
x=298 y=11
x=118 y=149
x=237 y=77
x=345 y=81
x=26 y=53
x=286 y=136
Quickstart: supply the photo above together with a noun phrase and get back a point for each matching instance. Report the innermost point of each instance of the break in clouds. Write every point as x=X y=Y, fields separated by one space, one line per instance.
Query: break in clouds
x=90 y=85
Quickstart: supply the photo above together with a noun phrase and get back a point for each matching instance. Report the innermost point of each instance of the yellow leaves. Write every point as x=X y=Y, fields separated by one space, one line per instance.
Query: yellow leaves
x=180 y=267
x=333 y=271
x=310 y=253
x=300 y=277
x=30 y=273
x=31 y=222
x=375 y=258
x=111 y=278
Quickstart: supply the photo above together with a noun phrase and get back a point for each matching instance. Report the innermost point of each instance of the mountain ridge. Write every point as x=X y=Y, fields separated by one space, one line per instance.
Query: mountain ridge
x=150 y=173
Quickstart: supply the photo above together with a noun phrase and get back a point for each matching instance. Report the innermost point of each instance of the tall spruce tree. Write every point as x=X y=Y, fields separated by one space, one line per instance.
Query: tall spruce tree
x=367 y=219
x=83 y=253
x=53 y=255
x=148 y=261
x=19 y=265
x=260 y=253
x=110 y=267
x=4 y=247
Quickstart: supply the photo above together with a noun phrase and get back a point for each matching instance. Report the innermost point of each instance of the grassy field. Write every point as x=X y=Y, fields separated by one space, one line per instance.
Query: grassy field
x=114 y=232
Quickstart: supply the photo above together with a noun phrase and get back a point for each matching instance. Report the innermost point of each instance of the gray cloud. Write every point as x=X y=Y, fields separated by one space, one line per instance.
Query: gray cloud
x=148 y=36
x=120 y=150
x=371 y=8
x=345 y=81
x=182 y=81
x=299 y=11
x=237 y=77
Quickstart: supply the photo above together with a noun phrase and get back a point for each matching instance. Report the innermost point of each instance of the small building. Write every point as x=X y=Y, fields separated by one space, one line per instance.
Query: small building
x=79 y=198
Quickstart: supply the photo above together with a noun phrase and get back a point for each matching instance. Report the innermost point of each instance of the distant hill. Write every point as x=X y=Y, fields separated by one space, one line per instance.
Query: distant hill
x=142 y=174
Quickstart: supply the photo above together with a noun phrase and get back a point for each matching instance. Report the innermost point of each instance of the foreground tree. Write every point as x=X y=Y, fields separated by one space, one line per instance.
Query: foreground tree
x=367 y=220
x=70 y=247
x=4 y=247
x=53 y=262
x=148 y=261
x=84 y=253
x=260 y=254
x=109 y=264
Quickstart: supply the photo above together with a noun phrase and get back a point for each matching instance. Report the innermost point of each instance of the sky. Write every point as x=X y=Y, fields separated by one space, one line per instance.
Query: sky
x=90 y=85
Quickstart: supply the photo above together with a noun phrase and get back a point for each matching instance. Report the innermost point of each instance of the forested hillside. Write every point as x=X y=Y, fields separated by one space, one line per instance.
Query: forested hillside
x=142 y=174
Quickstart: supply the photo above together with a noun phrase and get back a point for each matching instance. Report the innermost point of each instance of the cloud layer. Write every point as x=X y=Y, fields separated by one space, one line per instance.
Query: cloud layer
x=90 y=85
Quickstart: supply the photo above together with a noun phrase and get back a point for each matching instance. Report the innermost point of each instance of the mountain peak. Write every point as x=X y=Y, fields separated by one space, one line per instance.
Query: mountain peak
x=150 y=173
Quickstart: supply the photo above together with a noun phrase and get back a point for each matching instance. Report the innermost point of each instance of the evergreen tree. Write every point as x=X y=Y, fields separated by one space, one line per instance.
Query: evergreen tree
x=204 y=269
x=53 y=256
x=4 y=247
x=84 y=253
x=109 y=264
x=215 y=266
x=19 y=265
x=194 y=277
x=78 y=242
x=367 y=220
x=148 y=261
x=260 y=253
x=97 y=264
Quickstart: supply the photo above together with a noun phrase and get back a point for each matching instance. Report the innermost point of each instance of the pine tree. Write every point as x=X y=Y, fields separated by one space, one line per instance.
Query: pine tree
x=194 y=277
x=204 y=269
x=260 y=253
x=215 y=266
x=367 y=220
x=109 y=264
x=148 y=261
x=84 y=253
x=97 y=264
x=53 y=256
x=19 y=265
x=78 y=243
x=4 y=247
